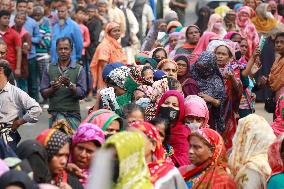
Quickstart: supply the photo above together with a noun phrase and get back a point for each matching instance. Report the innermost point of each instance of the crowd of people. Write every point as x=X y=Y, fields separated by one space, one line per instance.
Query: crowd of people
x=173 y=105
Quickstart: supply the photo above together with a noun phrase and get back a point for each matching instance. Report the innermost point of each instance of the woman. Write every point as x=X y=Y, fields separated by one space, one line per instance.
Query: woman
x=192 y=36
x=276 y=162
x=107 y=120
x=203 y=19
x=248 y=160
x=108 y=51
x=247 y=28
x=216 y=25
x=36 y=155
x=274 y=11
x=163 y=173
x=211 y=84
x=16 y=179
x=276 y=80
x=225 y=54
x=207 y=154
x=169 y=67
x=250 y=3
x=87 y=139
x=189 y=86
x=130 y=168
x=278 y=123
x=264 y=21
x=171 y=27
x=173 y=41
x=159 y=54
x=202 y=45
x=171 y=107
x=230 y=21
x=233 y=36
x=196 y=113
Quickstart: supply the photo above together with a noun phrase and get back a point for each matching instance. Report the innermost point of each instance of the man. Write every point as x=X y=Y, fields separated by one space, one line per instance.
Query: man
x=13 y=41
x=64 y=83
x=14 y=101
x=50 y=13
x=5 y=5
x=30 y=7
x=57 y=146
x=66 y=27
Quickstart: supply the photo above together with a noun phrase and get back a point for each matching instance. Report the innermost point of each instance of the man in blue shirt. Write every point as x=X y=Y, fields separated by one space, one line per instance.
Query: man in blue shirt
x=66 y=27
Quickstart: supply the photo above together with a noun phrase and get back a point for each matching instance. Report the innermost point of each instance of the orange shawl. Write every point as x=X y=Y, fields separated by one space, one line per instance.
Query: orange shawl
x=276 y=79
x=110 y=51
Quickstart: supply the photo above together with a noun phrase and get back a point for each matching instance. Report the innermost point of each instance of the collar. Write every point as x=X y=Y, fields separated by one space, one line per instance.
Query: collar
x=6 y=88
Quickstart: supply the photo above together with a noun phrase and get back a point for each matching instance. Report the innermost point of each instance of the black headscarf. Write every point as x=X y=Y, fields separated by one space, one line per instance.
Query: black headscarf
x=17 y=178
x=202 y=21
x=36 y=155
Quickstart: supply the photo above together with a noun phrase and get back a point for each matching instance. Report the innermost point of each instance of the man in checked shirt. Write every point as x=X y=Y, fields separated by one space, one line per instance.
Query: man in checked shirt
x=13 y=103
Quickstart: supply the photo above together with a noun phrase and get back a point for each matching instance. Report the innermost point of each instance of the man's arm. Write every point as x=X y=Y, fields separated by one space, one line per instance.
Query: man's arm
x=78 y=41
x=19 y=61
x=47 y=87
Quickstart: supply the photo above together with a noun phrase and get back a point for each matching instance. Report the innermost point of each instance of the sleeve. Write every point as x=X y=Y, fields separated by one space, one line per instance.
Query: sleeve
x=251 y=179
x=276 y=181
x=78 y=41
x=45 y=80
x=87 y=40
x=31 y=107
x=36 y=36
x=81 y=85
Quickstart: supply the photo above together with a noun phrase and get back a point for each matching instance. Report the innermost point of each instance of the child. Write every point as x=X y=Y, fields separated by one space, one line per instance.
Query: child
x=147 y=74
x=133 y=112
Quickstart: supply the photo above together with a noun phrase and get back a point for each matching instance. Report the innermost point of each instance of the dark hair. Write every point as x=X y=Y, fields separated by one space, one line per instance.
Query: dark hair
x=183 y=58
x=47 y=3
x=5 y=65
x=280 y=34
x=160 y=120
x=159 y=49
x=129 y=108
x=81 y=9
x=146 y=68
x=4 y=13
x=64 y=39
x=173 y=83
x=21 y=1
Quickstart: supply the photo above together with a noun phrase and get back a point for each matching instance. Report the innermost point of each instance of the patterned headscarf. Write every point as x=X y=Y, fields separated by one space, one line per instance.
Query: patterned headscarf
x=196 y=106
x=278 y=123
x=119 y=75
x=274 y=156
x=250 y=146
x=161 y=63
x=210 y=81
x=133 y=170
x=53 y=140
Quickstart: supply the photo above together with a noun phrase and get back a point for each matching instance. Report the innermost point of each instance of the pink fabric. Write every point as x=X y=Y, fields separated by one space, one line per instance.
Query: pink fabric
x=229 y=35
x=274 y=156
x=278 y=124
x=276 y=15
x=179 y=132
x=247 y=29
x=202 y=45
x=214 y=18
x=196 y=106
x=86 y=37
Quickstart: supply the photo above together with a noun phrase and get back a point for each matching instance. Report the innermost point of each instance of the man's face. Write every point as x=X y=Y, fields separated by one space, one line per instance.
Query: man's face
x=62 y=12
x=22 y=7
x=59 y=161
x=4 y=21
x=3 y=51
x=91 y=13
x=81 y=4
x=64 y=50
x=20 y=20
x=6 y=5
x=30 y=8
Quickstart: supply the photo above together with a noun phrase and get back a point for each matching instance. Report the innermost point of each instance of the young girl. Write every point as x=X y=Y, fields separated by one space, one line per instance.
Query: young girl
x=133 y=113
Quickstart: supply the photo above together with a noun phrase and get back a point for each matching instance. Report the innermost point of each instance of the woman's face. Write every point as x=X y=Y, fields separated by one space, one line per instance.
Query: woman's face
x=182 y=68
x=171 y=102
x=160 y=54
x=134 y=116
x=115 y=33
x=113 y=128
x=236 y=38
x=244 y=47
x=173 y=41
x=193 y=35
x=83 y=154
x=148 y=75
x=194 y=119
x=138 y=94
x=223 y=56
x=170 y=69
x=199 y=152
x=250 y=3
x=162 y=131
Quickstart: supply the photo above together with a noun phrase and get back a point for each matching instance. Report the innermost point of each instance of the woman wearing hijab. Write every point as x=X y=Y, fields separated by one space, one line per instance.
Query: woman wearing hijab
x=196 y=113
x=36 y=155
x=87 y=139
x=16 y=179
x=57 y=144
x=274 y=11
x=211 y=84
x=202 y=45
x=163 y=172
x=171 y=107
x=276 y=162
x=203 y=19
x=192 y=36
x=107 y=120
x=169 y=67
x=216 y=25
x=247 y=28
x=108 y=51
x=248 y=160
x=209 y=166
x=278 y=123
x=264 y=21
x=130 y=169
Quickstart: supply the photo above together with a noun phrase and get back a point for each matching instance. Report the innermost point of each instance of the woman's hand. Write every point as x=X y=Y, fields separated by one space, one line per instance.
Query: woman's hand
x=71 y=167
x=209 y=99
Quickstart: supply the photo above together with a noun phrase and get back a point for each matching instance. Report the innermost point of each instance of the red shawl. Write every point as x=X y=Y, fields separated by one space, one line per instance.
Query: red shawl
x=179 y=132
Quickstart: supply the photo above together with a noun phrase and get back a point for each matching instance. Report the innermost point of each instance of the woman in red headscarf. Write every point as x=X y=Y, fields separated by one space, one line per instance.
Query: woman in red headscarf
x=108 y=51
x=209 y=167
x=171 y=107
x=163 y=172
